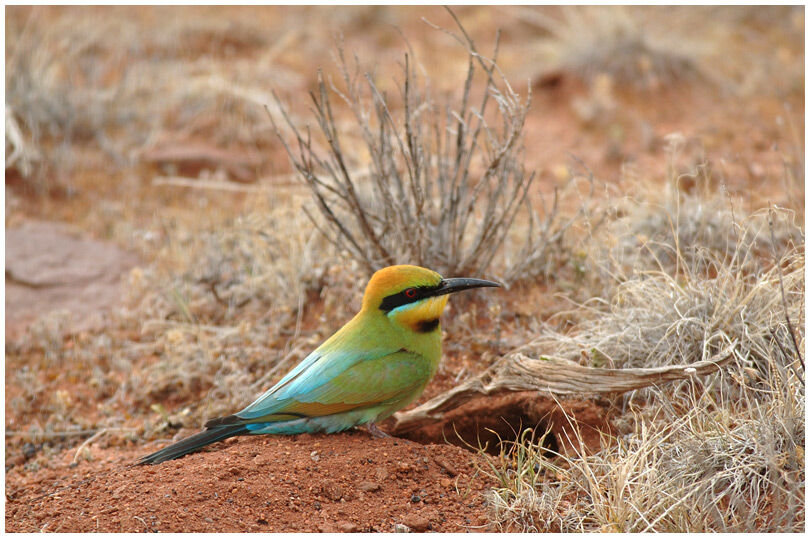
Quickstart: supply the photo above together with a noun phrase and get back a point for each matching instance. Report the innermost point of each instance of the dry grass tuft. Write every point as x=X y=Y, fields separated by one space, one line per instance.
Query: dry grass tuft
x=680 y=276
x=231 y=316
x=708 y=464
x=652 y=47
x=632 y=46
x=656 y=318
x=718 y=454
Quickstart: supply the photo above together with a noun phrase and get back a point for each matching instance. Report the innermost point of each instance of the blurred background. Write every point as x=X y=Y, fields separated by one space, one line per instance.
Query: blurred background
x=105 y=98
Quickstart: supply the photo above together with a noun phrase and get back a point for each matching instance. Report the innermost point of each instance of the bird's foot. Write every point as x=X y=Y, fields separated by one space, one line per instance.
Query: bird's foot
x=375 y=431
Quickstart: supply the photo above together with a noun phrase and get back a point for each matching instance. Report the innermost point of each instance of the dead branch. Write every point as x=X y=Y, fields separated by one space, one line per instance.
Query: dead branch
x=549 y=376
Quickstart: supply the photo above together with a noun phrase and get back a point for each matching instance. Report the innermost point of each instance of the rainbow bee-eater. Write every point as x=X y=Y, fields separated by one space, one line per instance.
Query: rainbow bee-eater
x=376 y=364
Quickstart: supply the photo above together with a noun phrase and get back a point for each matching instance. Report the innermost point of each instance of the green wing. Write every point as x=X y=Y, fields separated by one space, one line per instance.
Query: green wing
x=388 y=379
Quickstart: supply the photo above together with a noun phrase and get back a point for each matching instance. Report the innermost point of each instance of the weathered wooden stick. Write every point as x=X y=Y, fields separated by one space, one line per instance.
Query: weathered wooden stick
x=550 y=376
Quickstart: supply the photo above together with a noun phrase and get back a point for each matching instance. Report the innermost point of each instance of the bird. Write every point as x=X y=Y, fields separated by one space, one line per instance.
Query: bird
x=377 y=363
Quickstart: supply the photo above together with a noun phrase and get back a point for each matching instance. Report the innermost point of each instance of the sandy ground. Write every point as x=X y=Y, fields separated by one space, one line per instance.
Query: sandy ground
x=317 y=483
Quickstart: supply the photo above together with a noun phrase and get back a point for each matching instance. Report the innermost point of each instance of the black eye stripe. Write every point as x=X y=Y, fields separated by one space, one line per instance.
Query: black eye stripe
x=398 y=299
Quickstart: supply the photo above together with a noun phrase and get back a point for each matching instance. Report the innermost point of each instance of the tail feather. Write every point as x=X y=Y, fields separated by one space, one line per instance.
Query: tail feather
x=193 y=443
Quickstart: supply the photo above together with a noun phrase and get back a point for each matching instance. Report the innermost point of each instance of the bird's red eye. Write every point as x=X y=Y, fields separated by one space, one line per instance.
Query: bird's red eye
x=410 y=293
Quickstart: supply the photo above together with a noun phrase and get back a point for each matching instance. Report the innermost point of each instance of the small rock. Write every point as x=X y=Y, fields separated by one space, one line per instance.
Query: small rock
x=50 y=268
x=417 y=523
x=368 y=486
x=415 y=498
x=346 y=526
x=314 y=456
x=399 y=527
x=403 y=467
x=381 y=473
x=446 y=465
x=332 y=491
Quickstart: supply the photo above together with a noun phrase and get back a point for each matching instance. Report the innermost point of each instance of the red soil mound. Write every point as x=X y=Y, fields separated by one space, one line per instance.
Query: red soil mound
x=344 y=482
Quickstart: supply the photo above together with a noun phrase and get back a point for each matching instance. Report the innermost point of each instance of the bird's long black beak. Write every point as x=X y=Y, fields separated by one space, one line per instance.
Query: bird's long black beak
x=452 y=285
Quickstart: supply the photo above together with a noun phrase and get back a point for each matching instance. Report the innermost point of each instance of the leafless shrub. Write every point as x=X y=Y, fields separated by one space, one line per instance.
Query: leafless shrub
x=445 y=186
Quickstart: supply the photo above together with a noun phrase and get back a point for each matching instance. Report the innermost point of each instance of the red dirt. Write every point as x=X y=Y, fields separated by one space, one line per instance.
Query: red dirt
x=486 y=421
x=307 y=483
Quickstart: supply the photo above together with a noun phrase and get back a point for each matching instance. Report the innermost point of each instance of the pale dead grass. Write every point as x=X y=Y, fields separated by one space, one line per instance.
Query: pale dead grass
x=722 y=453
x=213 y=319
x=656 y=317
x=744 y=50
x=230 y=322
x=710 y=464
x=112 y=78
x=632 y=46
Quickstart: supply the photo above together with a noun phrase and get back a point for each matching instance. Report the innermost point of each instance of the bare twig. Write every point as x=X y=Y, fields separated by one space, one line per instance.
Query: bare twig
x=176 y=181
x=69 y=433
x=782 y=292
x=98 y=435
